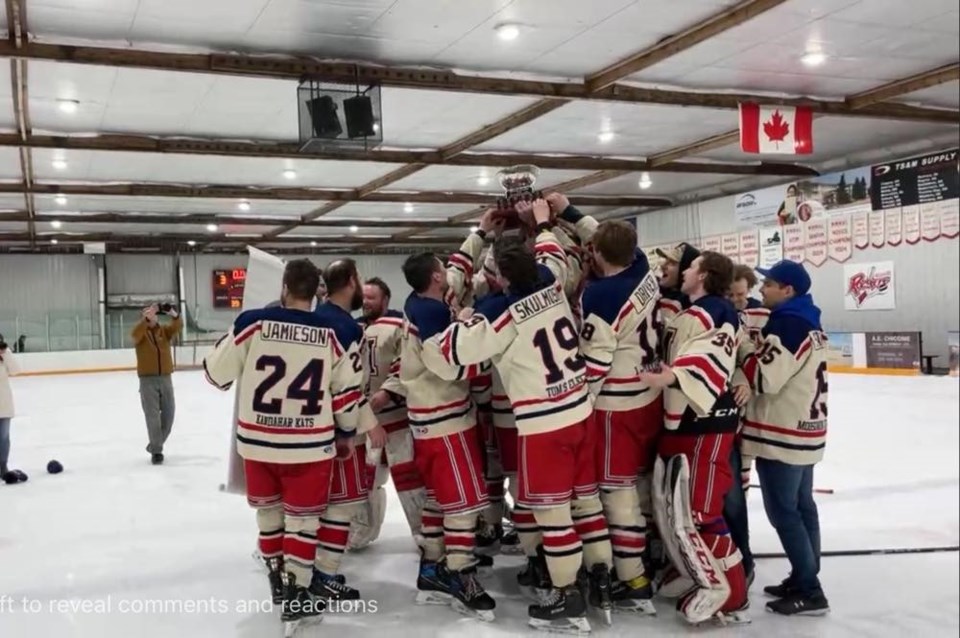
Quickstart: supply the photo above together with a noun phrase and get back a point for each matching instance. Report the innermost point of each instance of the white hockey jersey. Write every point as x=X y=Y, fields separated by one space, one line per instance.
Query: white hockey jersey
x=532 y=341
x=619 y=336
x=700 y=345
x=753 y=319
x=300 y=376
x=382 y=338
x=787 y=418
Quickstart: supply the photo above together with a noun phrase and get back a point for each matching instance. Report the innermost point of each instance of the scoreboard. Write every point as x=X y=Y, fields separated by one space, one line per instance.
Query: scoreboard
x=228 y=288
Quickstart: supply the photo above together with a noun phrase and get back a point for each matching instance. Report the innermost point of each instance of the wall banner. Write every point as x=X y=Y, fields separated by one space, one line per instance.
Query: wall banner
x=869 y=286
x=922 y=179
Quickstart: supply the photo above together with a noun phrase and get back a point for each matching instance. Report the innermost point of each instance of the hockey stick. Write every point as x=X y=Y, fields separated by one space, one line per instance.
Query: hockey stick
x=873 y=552
x=822 y=490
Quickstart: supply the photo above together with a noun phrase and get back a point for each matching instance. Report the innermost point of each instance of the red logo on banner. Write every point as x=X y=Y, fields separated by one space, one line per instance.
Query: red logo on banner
x=862 y=286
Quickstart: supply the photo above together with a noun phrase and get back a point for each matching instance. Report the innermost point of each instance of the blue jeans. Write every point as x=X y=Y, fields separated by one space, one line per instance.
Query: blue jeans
x=788 y=500
x=4 y=443
x=735 y=512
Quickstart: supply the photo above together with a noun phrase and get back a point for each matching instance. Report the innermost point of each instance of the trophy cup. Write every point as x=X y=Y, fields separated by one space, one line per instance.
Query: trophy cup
x=517 y=183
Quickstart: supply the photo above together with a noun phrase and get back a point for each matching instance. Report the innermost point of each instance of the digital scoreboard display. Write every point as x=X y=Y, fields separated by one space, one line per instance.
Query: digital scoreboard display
x=228 y=288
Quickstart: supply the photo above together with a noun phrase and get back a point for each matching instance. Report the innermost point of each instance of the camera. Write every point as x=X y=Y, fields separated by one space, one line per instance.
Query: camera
x=164 y=308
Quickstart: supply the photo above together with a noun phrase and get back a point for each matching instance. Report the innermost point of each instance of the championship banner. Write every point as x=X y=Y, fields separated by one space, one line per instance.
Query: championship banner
x=771 y=246
x=930 y=222
x=911 y=224
x=869 y=286
x=262 y=286
x=950 y=218
x=749 y=248
x=713 y=244
x=840 y=247
x=731 y=247
x=816 y=242
x=877 y=236
x=861 y=230
x=899 y=350
x=793 y=243
x=922 y=179
x=893 y=220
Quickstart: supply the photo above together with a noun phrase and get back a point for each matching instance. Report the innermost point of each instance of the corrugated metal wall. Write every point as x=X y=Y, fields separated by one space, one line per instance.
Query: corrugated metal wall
x=52 y=299
x=927 y=275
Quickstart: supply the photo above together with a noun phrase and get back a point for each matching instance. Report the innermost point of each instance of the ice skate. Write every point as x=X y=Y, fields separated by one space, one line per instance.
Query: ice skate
x=634 y=596
x=534 y=579
x=600 y=592
x=510 y=543
x=299 y=607
x=563 y=611
x=739 y=616
x=332 y=587
x=275 y=575
x=483 y=561
x=432 y=585
x=469 y=596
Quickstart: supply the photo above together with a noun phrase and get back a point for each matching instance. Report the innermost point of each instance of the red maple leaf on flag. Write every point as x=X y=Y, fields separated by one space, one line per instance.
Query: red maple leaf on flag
x=776 y=129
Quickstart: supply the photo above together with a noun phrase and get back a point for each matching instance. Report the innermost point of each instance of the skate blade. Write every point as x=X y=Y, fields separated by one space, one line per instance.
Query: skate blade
x=511 y=550
x=433 y=598
x=636 y=607
x=606 y=614
x=486 y=615
x=571 y=626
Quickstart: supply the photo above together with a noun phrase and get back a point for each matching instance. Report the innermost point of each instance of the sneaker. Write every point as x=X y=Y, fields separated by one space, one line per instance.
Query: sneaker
x=782 y=590
x=797 y=604
x=156 y=459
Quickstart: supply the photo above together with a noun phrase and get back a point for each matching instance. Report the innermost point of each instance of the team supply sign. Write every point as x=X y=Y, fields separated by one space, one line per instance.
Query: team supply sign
x=869 y=286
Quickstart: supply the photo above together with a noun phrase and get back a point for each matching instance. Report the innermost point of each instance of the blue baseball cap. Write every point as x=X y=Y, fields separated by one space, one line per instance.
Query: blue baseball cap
x=788 y=273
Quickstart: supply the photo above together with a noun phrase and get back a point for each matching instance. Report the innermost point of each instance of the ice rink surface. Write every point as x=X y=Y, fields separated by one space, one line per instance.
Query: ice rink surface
x=115 y=547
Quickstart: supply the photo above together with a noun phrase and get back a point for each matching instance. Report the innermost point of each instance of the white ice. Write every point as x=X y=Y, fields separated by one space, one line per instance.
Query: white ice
x=114 y=529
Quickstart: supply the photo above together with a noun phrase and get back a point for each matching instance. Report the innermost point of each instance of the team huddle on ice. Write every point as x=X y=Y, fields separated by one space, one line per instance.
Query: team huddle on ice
x=549 y=359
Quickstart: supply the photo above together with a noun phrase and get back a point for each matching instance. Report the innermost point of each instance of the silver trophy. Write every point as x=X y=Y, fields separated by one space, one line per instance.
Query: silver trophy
x=517 y=183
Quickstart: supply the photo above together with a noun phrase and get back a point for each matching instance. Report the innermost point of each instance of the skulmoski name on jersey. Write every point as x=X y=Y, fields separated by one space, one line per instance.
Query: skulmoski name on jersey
x=530 y=307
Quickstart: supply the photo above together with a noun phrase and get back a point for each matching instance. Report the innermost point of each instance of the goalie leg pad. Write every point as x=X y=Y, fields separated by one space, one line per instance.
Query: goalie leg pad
x=366 y=524
x=687 y=548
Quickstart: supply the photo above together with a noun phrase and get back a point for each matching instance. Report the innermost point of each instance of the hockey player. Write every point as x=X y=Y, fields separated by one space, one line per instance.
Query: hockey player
x=618 y=340
x=528 y=333
x=785 y=429
x=753 y=317
x=299 y=395
x=382 y=333
x=693 y=474
x=348 y=488
x=674 y=262
x=446 y=445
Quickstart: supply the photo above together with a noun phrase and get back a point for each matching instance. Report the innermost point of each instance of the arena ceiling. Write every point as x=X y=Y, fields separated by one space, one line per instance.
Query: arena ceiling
x=172 y=124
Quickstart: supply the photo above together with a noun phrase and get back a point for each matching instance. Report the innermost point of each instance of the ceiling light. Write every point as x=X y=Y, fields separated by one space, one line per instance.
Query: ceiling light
x=474 y=229
x=54 y=242
x=483 y=180
x=645 y=181
x=191 y=243
x=212 y=228
x=605 y=136
x=61 y=200
x=59 y=164
x=354 y=229
x=376 y=127
x=408 y=207
x=290 y=174
x=507 y=31
x=813 y=58
x=56 y=223
x=313 y=243
x=244 y=205
x=68 y=106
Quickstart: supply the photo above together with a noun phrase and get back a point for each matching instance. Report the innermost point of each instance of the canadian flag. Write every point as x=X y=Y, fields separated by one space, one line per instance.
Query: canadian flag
x=776 y=129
